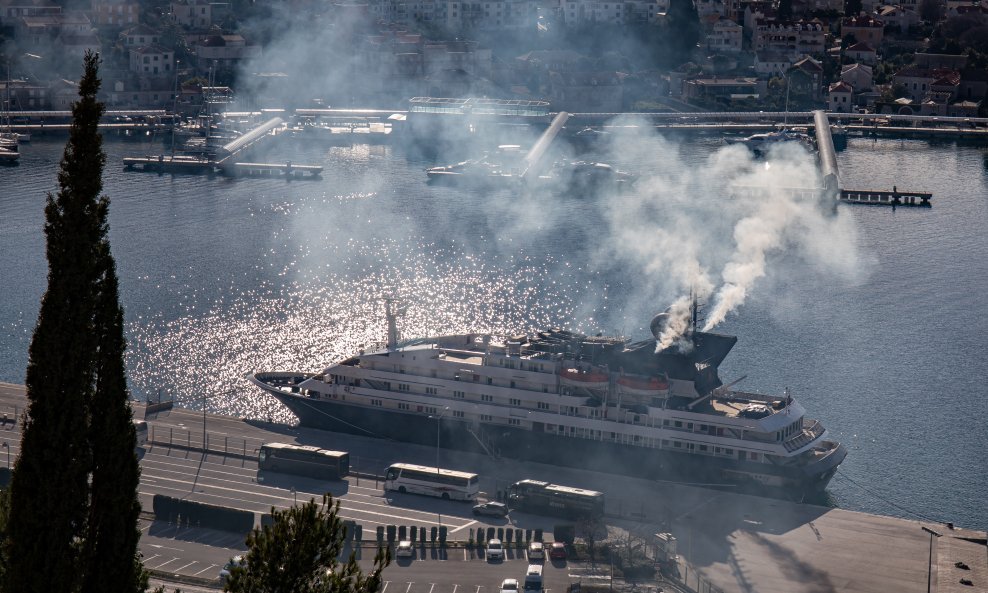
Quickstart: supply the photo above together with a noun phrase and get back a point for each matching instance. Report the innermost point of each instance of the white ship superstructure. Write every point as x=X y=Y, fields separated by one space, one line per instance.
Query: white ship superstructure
x=566 y=398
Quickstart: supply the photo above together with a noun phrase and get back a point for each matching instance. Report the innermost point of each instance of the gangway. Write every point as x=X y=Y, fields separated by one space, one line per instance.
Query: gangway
x=828 y=155
x=538 y=150
x=248 y=139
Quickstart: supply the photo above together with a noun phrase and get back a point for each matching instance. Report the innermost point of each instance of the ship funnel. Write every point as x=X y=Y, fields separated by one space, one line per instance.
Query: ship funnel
x=659 y=324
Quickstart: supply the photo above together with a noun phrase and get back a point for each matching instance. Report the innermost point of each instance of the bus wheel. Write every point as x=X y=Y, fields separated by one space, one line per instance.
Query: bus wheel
x=445 y=495
x=401 y=489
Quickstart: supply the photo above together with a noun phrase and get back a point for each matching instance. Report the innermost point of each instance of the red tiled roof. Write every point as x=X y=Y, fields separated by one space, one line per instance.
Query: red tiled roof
x=841 y=87
x=862 y=46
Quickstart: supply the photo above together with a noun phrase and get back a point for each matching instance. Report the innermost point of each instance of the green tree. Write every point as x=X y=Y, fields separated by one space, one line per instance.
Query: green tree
x=852 y=7
x=784 y=11
x=299 y=553
x=682 y=28
x=73 y=507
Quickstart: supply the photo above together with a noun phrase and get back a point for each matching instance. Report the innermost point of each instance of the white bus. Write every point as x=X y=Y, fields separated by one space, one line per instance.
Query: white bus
x=432 y=481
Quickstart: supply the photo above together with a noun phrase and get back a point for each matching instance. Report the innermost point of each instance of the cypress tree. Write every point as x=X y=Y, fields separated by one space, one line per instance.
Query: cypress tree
x=112 y=535
x=73 y=496
x=49 y=489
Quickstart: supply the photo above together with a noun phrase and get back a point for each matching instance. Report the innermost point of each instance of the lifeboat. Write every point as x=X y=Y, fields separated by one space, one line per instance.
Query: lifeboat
x=592 y=379
x=643 y=386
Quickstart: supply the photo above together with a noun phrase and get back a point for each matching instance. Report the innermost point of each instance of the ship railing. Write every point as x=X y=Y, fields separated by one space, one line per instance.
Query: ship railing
x=811 y=431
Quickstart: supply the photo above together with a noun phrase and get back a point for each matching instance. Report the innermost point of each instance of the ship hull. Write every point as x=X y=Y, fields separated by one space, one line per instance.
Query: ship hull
x=790 y=482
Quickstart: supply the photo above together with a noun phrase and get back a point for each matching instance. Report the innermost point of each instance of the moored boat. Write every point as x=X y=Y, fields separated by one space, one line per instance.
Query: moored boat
x=554 y=397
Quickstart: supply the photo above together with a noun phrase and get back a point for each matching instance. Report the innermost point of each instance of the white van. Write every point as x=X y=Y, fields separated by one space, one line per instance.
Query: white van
x=141 y=428
x=533 y=578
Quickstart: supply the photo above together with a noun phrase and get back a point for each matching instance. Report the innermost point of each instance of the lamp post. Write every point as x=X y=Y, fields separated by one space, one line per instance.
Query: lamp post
x=439 y=418
x=929 y=568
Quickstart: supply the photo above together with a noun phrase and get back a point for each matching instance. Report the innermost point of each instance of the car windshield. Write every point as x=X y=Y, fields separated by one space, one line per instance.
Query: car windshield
x=494 y=545
x=509 y=586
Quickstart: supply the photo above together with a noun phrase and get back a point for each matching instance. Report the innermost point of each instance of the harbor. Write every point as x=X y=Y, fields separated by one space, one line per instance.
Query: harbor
x=728 y=542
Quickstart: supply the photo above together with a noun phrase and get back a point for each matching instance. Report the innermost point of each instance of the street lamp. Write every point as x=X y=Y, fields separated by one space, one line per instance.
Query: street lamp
x=929 y=568
x=439 y=418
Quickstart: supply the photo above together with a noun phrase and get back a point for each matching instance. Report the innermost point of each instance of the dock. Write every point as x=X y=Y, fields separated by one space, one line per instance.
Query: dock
x=198 y=165
x=886 y=198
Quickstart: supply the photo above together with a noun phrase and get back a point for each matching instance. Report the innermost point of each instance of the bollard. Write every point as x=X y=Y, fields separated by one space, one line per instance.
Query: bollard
x=434 y=533
x=422 y=535
x=402 y=531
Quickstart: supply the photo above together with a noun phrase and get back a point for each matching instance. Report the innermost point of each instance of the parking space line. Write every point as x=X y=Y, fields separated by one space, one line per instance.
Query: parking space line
x=181 y=568
x=479 y=587
x=431 y=587
x=455 y=586
x=385 y=588
x=164 y=563
x=146 y=560
x=205 y=569
x=464 y=526
x=409 y=588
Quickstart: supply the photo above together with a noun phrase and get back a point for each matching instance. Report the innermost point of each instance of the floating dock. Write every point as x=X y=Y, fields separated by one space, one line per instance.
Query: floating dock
x=272 y=170
x=886 y=198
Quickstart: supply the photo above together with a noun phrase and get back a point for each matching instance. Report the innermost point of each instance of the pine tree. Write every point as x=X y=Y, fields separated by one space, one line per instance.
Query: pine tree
x=299 y=553
x=49 y=488
x=682 y=29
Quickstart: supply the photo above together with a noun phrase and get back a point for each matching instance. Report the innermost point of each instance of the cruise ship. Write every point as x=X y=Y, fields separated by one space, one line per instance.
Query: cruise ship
x=564 y=398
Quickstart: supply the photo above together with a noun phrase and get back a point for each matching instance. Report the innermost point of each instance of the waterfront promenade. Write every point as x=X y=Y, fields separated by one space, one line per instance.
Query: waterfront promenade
x=736 y=543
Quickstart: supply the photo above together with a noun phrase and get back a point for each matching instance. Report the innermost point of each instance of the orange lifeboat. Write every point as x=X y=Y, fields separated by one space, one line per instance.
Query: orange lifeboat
x=592 y=379
x=643 y=386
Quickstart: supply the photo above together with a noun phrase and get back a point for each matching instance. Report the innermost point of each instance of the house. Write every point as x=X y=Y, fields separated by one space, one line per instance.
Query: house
x=594 y=92
x=224 y=51
x=858 y=76
x=864 y=28
x=152 y=60
x=723 y=88
x=62 y=94
x=705 y=8
x=139 y=36
x=863 y=53
x=771 y=64
x=918 y=82
x=724 y=36
x=75 y=45
x=119 y=13
x=839 y=98
x=899 y=17
x=11 y=11
x=24 y=95
x=964 y=109
x=790 y=38
x=198 y=14
x=575 y=12
x=806 y=78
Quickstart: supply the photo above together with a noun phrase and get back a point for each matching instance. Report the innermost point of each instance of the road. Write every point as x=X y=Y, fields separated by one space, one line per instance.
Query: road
x=735 y=542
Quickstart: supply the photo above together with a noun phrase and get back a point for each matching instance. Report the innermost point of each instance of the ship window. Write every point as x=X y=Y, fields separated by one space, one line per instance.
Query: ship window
x=486 y=398
x=665 y=442
x=703 y=427
x=457 y=414
x=543 y=406
x=677 y=444
x=430 y=410
x=458 y=394
x=514 y=422
x=514 y=402
x=690 y=446
x=490 y=380
x=485 y=418
x=703 y=447
x=637 y=419
x=665 y=422
x=689 y=426
x=376 y=402
x=545 y=389
x=512 y=384
x=754 y=456
x=387 y=385
x=678 y=424
x=728 y=451
x=716 y=449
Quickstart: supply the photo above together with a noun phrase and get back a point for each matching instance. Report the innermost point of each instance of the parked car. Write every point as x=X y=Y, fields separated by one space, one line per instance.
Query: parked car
x=557 y=551
x=404 y=549
x=491 y=509
x=536 y=552
x=495 y=551
x=509 y=586
x=228 y=568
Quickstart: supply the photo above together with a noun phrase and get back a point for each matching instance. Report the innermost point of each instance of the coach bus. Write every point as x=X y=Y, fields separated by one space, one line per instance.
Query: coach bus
x=308 y=461
x=534 y=496
x=431 y=481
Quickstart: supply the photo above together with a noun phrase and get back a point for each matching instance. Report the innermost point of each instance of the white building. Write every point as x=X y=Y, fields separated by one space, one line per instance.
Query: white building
x=839 y=98
x=790 y=38
x=152 y=60
x=725 y=36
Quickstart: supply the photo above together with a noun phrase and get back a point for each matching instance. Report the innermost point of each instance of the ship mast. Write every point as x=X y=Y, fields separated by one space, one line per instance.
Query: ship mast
x=392 y=315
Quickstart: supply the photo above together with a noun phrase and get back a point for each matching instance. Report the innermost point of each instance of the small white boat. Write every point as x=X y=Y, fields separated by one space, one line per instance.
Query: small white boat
x=8 y=156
